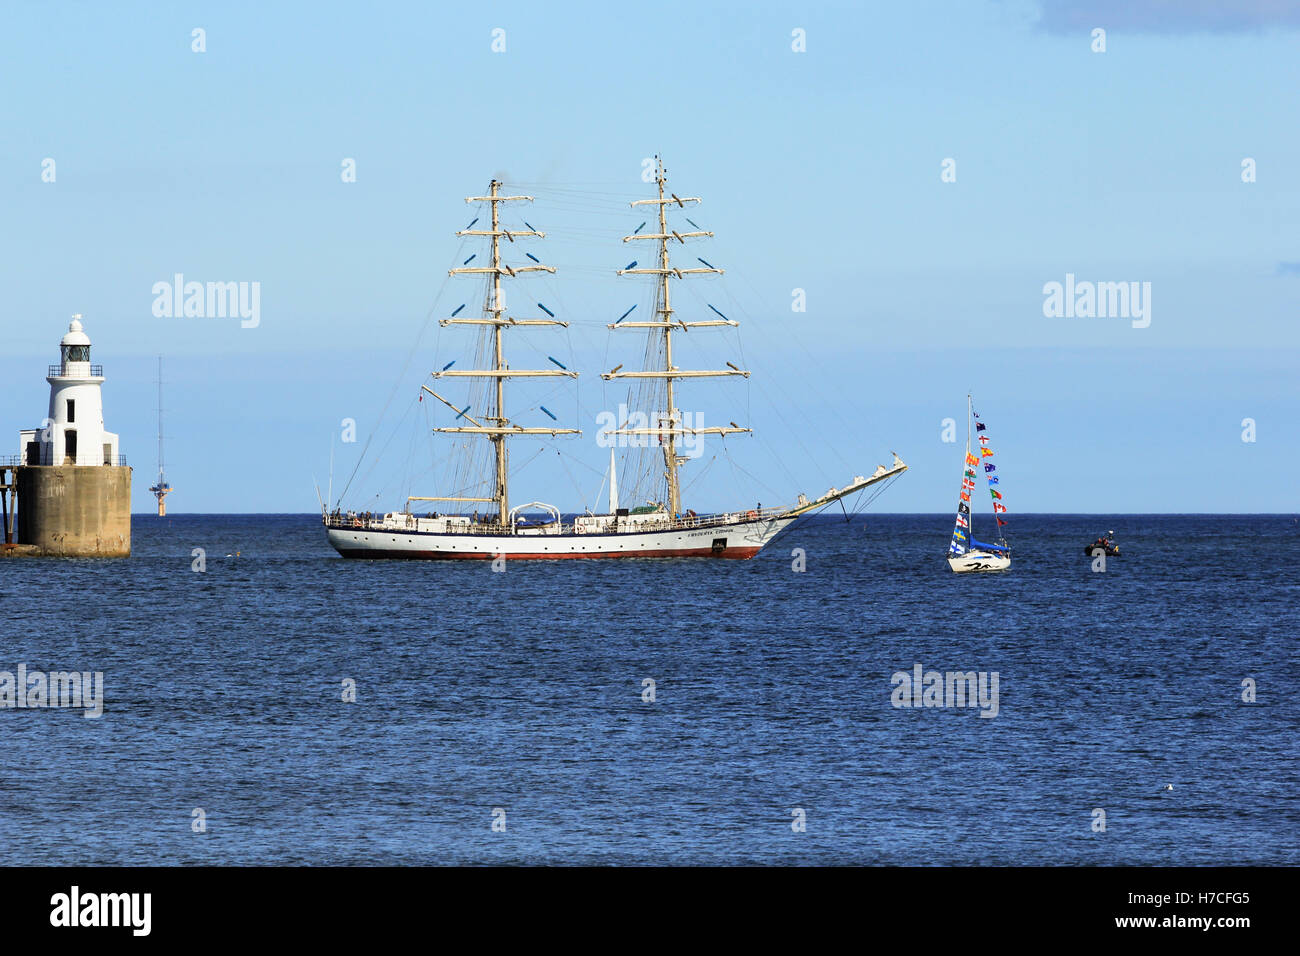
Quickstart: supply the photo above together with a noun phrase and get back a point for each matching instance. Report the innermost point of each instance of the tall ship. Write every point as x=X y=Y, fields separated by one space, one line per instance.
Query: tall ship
x=965 y=554
x=662 y=527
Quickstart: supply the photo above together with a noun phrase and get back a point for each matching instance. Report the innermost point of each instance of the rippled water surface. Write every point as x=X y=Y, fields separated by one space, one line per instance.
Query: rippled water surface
x=523 y=691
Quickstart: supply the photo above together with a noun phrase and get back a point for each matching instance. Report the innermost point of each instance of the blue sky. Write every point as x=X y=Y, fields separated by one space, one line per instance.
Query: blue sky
x=820 y=170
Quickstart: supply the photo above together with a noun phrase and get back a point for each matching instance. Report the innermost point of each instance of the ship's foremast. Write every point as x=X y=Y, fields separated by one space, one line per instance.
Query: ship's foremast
x=670 y=426
x=498 y=427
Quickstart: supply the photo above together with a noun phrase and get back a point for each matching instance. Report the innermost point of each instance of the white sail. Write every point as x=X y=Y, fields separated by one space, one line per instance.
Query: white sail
x=613 y=485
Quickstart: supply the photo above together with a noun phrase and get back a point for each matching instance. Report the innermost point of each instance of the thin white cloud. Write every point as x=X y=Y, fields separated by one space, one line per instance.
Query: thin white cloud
x=1170 y=16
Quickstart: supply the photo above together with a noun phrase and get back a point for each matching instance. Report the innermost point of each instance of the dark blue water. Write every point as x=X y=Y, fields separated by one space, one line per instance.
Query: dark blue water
x=523 y=690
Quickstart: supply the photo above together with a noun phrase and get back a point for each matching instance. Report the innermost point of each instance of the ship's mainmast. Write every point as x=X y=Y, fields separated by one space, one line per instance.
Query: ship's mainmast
x=494 y=315
x=670 y=426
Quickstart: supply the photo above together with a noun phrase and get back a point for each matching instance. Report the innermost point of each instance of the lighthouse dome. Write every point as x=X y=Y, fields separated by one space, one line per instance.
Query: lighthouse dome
x=75 y=335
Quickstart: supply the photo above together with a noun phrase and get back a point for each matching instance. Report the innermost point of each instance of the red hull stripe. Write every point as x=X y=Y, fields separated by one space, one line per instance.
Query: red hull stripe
x=374 y=553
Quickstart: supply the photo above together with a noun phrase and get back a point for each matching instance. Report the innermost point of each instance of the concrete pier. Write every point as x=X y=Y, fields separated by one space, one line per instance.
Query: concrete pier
x=74 y=511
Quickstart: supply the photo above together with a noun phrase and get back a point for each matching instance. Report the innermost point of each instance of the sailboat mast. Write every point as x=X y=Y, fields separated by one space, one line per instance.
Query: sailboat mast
x=496 y=427
x=670 y=425
x=665 y=313
x=499 y=440
x=966 y=464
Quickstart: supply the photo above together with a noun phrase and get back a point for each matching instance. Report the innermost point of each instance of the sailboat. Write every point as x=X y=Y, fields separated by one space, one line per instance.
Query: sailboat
x=660 y=528
x=964 y=552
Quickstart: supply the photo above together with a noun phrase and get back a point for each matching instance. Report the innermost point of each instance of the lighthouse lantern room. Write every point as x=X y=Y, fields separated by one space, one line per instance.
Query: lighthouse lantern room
x=73 y=431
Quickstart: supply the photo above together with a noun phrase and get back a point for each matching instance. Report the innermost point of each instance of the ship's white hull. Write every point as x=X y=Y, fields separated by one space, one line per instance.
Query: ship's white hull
x=979 y=561
x=742 y=539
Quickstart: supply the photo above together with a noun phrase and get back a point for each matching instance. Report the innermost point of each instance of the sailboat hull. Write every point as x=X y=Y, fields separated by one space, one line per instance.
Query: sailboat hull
x=979 y=561
x=740 y=540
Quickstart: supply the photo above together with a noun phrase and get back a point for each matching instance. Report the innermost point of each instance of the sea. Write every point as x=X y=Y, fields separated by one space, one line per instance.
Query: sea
x=266 y=702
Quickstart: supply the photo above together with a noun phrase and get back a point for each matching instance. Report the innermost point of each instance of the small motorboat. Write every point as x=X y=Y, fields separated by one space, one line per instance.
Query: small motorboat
x=1106 y=544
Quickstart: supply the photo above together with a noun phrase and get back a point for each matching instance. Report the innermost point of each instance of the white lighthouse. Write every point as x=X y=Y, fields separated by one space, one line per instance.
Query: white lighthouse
x=73 y=431
x=72 y=488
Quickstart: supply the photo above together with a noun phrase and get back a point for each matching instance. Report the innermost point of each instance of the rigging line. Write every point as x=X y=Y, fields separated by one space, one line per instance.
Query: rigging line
x=703 y=471
x=464 y=489
x=556 y=198
x=812 y=385
x=560 y=200
x=403 y=472
x=807 y=453
x=565 y=202
x=696 y=294
x=397 y=382
x=766 y=486
x=780 y=459
x=428 y=430
x=599 y=491
x=560 y=193
x=858 y=505
x=738 y=483
x=573 y=185
x=393 y=434
x=879 y=491
x=416 y=448
x=514 y=473
x=749 y=320
x=577 y=385
x=573 y=480
x=775 y=407
x=578 y=461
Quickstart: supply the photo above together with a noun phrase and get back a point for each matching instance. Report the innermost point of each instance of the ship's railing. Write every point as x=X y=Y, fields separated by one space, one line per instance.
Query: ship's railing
x=689 y=521
x=96 y=371
x=370 y=521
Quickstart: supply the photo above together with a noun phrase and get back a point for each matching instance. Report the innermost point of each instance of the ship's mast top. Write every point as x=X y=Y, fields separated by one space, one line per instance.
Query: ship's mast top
x=670 y=425
x=496 y=427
